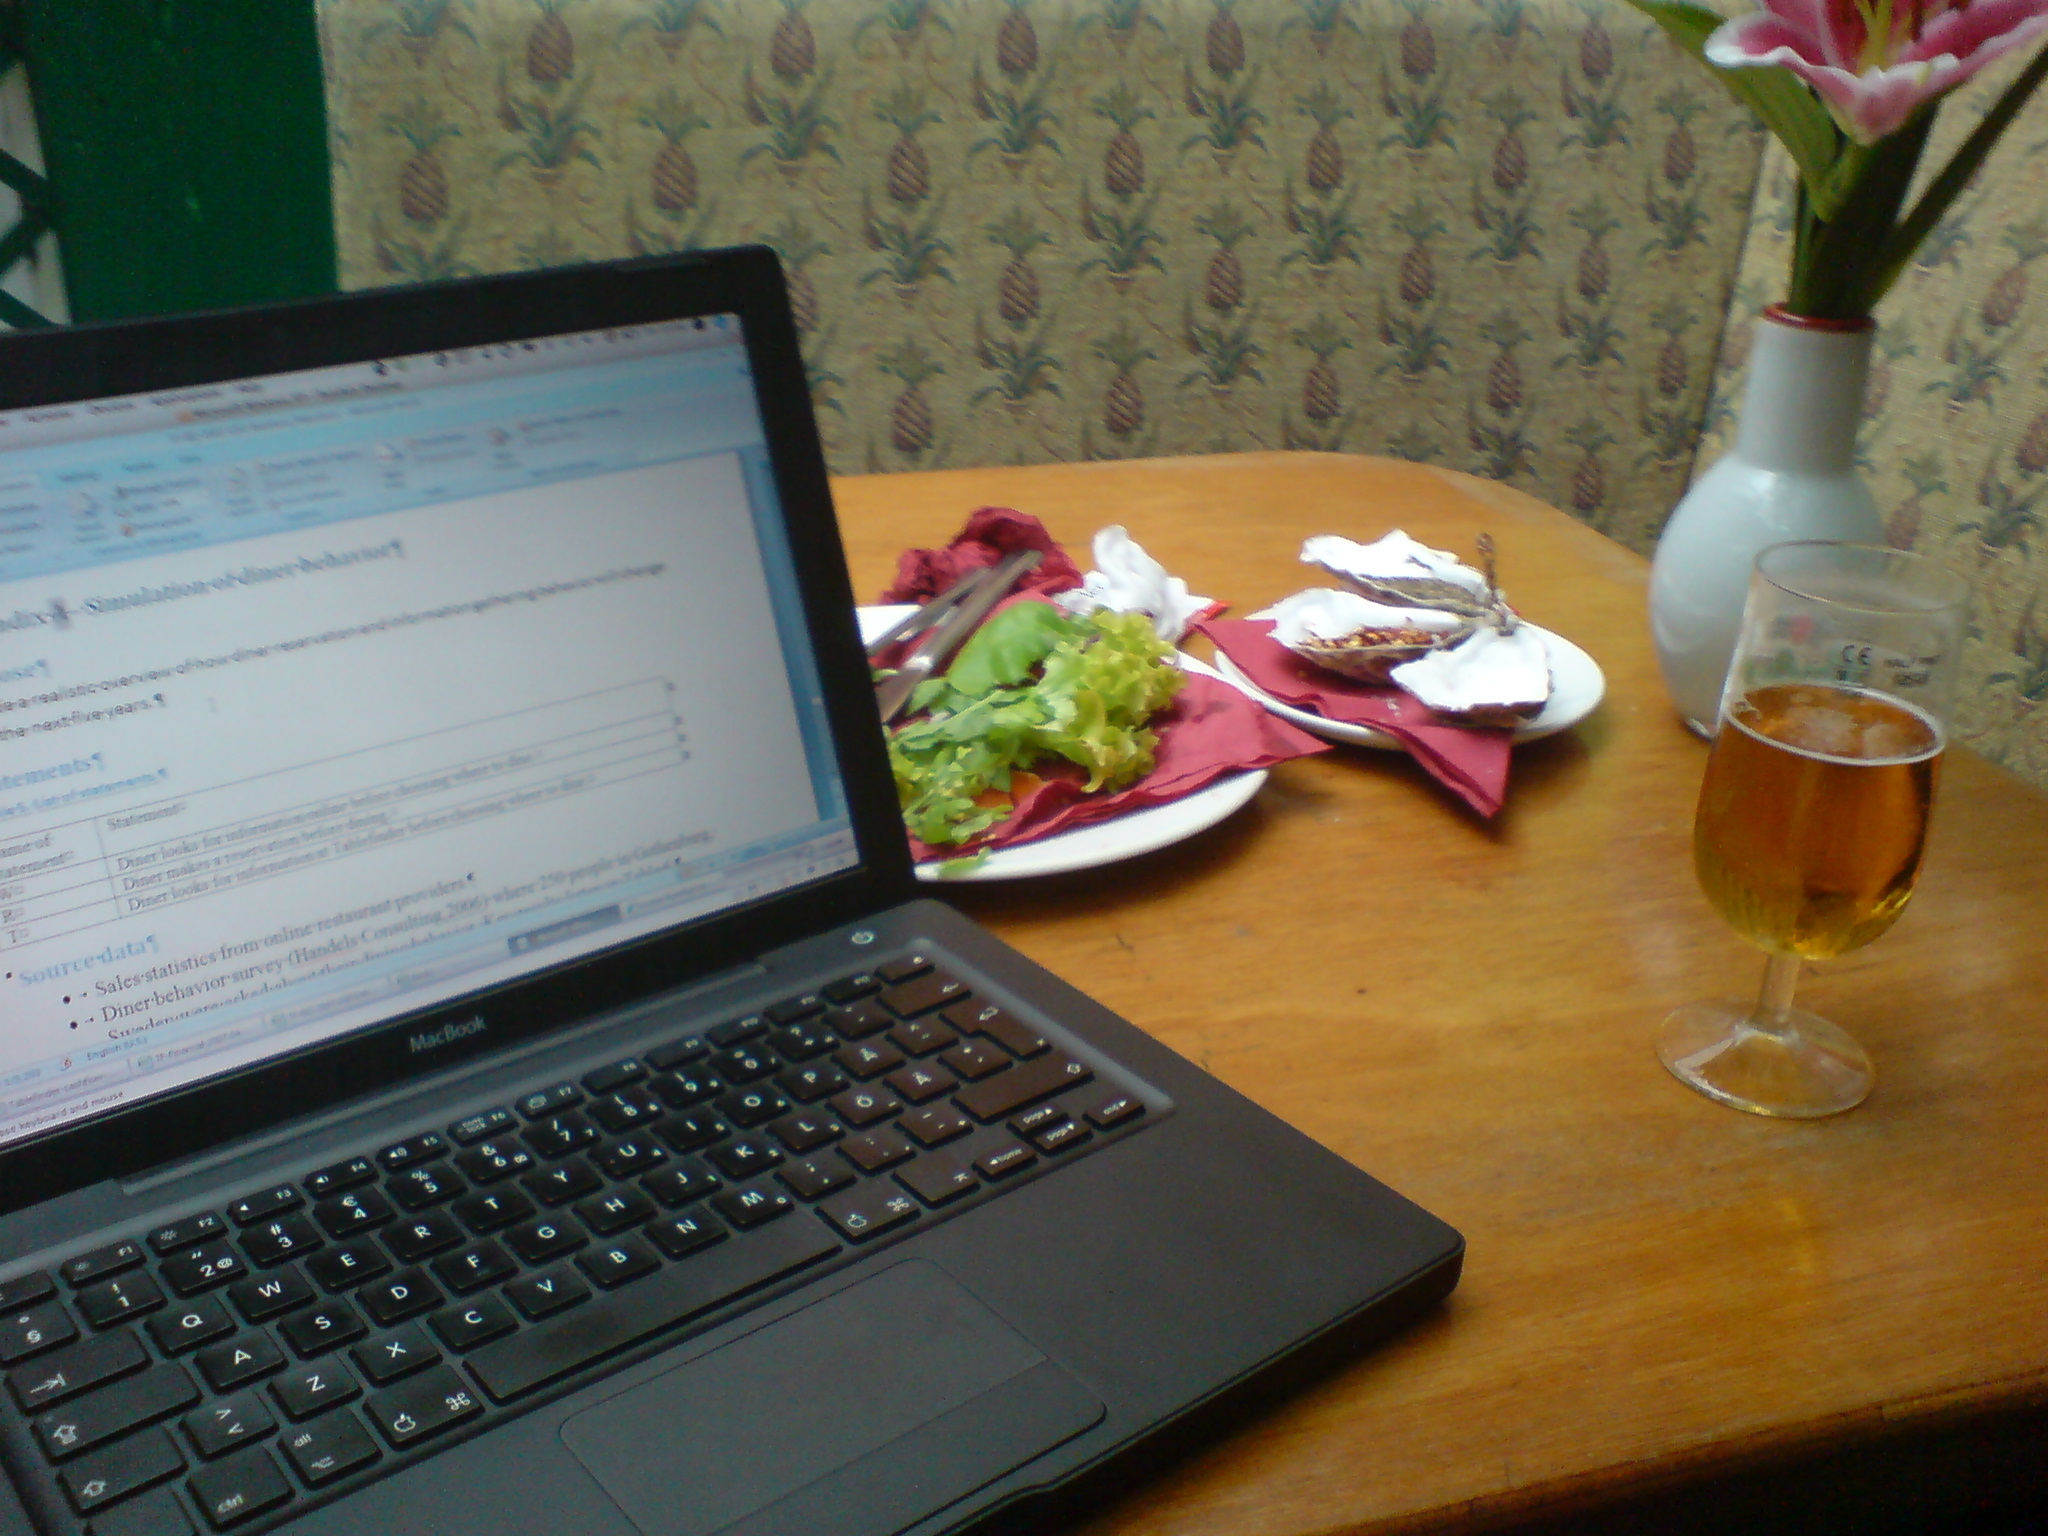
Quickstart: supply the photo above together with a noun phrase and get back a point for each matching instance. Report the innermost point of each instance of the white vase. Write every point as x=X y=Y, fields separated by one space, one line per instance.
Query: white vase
x=1792 y=475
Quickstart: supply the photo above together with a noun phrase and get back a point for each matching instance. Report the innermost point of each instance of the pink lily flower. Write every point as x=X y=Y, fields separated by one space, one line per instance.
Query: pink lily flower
x=1876 y=62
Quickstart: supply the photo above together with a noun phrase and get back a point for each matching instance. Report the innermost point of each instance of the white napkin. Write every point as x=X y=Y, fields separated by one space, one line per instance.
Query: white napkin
x=1127 y=580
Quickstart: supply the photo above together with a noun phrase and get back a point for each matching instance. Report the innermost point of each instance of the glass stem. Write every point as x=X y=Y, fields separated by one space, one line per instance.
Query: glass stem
x=1773 y=1012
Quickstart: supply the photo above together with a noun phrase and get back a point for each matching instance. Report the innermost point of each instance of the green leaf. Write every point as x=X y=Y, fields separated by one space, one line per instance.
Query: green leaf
x=1777 y=96
x=1004 y=651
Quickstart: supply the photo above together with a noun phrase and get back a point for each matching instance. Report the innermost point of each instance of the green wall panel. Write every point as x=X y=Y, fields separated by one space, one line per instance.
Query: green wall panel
x=187 y=144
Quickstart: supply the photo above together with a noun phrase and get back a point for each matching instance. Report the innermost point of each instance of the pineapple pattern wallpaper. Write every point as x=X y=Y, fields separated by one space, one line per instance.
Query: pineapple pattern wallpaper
x=1955 y=430
x=1497 y=235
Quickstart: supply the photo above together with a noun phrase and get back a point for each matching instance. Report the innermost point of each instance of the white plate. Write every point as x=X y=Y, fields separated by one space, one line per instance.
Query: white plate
x=1102 y=842
x=1576 y=687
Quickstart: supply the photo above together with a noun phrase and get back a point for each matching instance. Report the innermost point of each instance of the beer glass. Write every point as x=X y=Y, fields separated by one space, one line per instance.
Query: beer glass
x=1813 y=813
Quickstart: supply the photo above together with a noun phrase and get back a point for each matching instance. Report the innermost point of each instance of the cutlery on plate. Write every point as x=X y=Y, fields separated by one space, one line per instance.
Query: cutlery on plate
x=893 y=692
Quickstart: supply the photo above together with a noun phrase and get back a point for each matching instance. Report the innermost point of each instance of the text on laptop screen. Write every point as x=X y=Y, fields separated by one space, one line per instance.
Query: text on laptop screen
x=330 y=696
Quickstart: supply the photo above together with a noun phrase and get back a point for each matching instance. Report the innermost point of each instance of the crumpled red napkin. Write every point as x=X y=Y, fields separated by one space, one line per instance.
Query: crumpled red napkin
x=1209 y=730
x=1471 y=762
x=991 y=534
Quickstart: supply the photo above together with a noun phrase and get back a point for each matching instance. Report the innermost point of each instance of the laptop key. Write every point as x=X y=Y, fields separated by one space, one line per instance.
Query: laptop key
x=1063 y=1137
x=193 y=1229
x=282 y=1237
x=922 y=1037
x=114 y=1301
x=489 y=1161
x=614 y=1211
x=420 y=1237
x=1004 y=1161
x=860 y=1020
x=617 y=1075
x=813 y=1178
x=406 y=1294
x=234 y=1362
x=625 y=1110
x=110 y=1260
x=665 y=1058
x=336 y=1177
x=1007 y=1092
x=392 y=1355
x=805 y=1132
x=514 y=1366
x=423 y=1407
x=566 y=1181
x=228 y=1425
x=851 y=987
x=860 y=1107
x=736 y=1030
x=903 y=967
x=343 y=1216
x=470 y=1323
x=203 y=1266
x=274 y=1201
x=543 y=1295
x=749 y=1107
x=423 y=1148
x=548 y=1101
x=189 y=1326
x=1000 y=1025
x=693 y=1131
x=559 y=1135
x=238 y=1489
x=744 y=1158
x=748 y=1208
x=24 y=1289
x=872 y=1151
x=325 y=1327
x=329 y=1448
x=810 y=1083
x=488 y=1210
x=973 y=1059
x=1115 y=1110
x=921 y=1082
x=681 y=1236
x=486 y=1122
x=268 y=1295
x=934 y=990
x=114 y=1410
x=789 y=1010
x=613 y=1264
x=629 y=1156
x=680 y=1090
x=351 y=1264
x=937 y=1179
x=677 y=1186
x=744 y=1064
x=82 y=1367
x=428 y=1185
x=869 y=1058
x=861 y=1214
x=800 y=1042
x=310 y=1389
x=125 y=1467
x=545 y=1238
x=482 y=1264
x=33 y=1330
x=936 y=1124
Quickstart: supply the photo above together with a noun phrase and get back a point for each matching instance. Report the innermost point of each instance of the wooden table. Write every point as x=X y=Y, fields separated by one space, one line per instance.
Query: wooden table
x=1703 y=1317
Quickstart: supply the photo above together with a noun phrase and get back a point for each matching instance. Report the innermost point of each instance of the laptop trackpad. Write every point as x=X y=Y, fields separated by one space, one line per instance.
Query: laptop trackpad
x=857 y=1416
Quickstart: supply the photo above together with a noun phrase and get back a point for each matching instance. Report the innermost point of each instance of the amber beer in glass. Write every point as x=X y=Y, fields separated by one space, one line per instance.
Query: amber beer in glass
x=1813 y=813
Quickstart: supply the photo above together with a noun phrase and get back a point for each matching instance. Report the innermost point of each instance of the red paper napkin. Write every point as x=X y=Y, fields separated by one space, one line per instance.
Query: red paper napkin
x=991 y=534
x=1209 y=730
x=1471 y=762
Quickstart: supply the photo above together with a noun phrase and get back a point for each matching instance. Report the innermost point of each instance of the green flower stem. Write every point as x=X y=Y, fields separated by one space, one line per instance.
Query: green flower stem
x=1833 y=259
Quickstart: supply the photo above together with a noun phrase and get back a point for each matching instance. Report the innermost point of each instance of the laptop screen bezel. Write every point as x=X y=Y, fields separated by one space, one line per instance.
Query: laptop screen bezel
x=94 y=362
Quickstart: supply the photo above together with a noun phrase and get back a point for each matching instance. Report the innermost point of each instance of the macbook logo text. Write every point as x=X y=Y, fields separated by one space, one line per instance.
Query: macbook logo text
x=447 y=1034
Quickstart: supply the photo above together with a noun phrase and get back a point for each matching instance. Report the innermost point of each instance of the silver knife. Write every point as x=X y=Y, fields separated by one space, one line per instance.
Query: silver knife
x=894 y=691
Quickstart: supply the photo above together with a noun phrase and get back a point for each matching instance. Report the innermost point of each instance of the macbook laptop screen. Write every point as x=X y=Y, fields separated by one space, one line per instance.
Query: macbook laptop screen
x=331 y=696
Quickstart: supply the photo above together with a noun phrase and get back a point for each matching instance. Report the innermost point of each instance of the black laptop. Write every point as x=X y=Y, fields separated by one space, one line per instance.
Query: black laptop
x=473 y=1056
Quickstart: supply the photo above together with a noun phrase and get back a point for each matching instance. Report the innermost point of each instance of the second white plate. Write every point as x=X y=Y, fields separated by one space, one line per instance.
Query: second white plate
x=1577 y=686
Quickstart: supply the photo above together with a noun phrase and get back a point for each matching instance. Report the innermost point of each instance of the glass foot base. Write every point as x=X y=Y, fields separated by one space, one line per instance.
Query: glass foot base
x=1812 y=1069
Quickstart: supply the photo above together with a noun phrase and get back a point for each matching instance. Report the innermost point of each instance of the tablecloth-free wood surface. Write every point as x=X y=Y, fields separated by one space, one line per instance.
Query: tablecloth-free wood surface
x=1712 y=1317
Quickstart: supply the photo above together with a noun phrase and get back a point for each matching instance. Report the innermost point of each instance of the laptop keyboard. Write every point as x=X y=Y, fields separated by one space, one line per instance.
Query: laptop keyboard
x=231 y=1366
